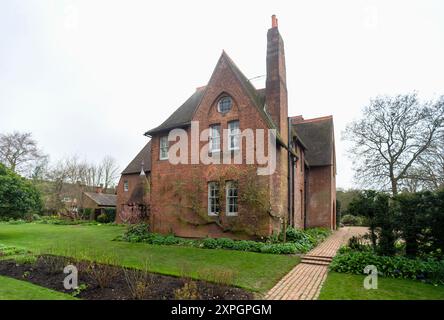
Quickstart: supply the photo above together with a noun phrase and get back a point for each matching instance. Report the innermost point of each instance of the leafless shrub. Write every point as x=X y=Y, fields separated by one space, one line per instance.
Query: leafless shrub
x=140 y=282
x=105 y=272
x=54 y=264
x=189 y=291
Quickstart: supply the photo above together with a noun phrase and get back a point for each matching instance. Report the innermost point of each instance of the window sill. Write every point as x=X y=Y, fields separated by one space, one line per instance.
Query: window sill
x=213 y=214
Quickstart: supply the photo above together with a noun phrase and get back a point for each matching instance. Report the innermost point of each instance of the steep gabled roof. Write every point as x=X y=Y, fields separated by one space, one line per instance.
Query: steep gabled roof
x=318 y=135
x=184 y=114
x=144 y=156
x=103 y=199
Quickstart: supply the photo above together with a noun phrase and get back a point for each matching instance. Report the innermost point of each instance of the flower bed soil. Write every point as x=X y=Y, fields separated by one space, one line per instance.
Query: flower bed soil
x=47 y=272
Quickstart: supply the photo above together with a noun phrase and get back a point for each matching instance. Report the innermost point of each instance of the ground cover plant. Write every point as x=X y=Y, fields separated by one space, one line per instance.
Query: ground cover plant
x=297 y=241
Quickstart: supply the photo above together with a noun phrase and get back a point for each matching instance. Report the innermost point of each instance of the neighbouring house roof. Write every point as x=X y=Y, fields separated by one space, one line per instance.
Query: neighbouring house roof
x=144 y=156
x=184 y=114
x=103 y=199
x=318 y=135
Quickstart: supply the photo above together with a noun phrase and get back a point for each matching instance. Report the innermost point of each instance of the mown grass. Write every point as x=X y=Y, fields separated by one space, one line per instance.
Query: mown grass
x=12 y=289
x=342 y=286
x=254 y=271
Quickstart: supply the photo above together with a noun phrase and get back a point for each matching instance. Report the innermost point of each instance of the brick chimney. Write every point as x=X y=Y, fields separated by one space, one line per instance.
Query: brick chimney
x=276 y=83
x=99 y=189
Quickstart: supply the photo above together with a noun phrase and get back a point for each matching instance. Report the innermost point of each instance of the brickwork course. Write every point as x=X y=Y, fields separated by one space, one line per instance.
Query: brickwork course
x=304 y=282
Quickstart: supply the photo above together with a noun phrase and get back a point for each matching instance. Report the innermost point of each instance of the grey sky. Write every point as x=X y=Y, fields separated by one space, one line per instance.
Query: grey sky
x=90 y=77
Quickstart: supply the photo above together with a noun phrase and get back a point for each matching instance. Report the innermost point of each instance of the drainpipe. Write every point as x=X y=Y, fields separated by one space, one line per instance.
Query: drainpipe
x=289 y=176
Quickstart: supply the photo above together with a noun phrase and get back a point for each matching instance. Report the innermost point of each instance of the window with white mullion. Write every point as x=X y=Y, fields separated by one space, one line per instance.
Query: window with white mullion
x=213 y=199
x=163 y=148
x=215 y=138
x=232 y=198
x=233 y=135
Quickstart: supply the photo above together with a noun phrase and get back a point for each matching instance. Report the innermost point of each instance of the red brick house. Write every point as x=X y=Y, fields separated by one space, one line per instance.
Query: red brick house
x=230 y=199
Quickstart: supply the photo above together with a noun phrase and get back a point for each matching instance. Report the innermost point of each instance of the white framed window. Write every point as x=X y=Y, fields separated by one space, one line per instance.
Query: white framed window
x=233 y=135
x=213 y=199
x=215 y=138
x=163 y=148
x=232 y=197
x=224 y=105
x=125 y=186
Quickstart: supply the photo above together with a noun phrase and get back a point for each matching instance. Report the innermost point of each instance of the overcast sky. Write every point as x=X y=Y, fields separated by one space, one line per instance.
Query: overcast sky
x=90 y=77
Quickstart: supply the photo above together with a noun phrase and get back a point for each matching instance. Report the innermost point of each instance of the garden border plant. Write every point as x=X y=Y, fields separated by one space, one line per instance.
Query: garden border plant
x=298 y=241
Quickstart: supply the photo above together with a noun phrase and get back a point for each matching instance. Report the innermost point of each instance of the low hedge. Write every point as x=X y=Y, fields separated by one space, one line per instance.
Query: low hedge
x=354 y=262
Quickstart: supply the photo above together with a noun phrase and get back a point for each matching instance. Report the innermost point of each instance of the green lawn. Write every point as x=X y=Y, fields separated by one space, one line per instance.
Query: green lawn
x=12 y=289
x=342 y=286
x=255 y=271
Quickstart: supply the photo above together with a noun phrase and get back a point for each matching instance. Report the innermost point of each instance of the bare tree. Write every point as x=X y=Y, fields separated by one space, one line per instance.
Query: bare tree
x=19 y=151
x=393 y=138
x=110 y=171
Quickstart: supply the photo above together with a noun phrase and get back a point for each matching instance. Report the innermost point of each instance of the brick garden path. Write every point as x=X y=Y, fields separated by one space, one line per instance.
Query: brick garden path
x=304 y=281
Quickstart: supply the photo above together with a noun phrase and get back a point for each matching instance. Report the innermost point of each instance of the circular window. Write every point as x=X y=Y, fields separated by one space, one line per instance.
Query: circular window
x=225 y=105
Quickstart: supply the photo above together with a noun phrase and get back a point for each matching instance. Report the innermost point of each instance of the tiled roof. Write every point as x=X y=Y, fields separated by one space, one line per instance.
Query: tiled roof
x=318 y=135
x=135 y=166
x=103 y=199
x=184 y=114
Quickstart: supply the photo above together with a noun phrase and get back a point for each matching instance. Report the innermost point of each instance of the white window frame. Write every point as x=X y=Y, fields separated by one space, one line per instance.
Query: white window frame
x=211 y=197
x=163 y=144
x=215 y=135
x=228 y=186
x=234 y=134
x=220 y=101
x=125 y=186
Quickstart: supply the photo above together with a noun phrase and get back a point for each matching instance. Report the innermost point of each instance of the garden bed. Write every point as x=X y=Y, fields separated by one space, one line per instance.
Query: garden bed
x=106 y=282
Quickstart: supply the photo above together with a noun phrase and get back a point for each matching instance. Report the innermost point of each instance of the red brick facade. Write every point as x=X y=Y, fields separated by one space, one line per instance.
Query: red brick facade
x=178 y=193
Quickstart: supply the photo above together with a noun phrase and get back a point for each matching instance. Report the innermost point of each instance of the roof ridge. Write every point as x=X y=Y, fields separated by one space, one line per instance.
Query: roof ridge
x=312 y=119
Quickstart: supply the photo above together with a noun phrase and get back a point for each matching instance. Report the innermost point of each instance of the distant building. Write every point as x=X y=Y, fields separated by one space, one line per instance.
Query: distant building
x=98 y=201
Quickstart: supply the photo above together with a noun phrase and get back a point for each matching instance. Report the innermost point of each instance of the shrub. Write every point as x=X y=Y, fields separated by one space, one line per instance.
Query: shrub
x=136 y=233
x=350 y=220
x=187 y=292
x=18 y=196
x=359 y=243
x=86 y=213
x=103 y=218
x=396 y=267
x=302 y=241
x=210 y=243
x=103 y=273
x=279 y=248
x=140 y=283
x=110 y=214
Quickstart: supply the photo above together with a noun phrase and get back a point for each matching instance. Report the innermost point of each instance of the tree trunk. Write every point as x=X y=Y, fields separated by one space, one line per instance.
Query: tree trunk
x=394 y=186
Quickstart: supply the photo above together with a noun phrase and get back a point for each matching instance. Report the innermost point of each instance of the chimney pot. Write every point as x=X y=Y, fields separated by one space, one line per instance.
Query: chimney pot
x=274 y=21
x=99 y=189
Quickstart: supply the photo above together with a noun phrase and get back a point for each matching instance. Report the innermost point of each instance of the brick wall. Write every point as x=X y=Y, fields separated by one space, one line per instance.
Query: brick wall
x=321 y=196
x=169 y=212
